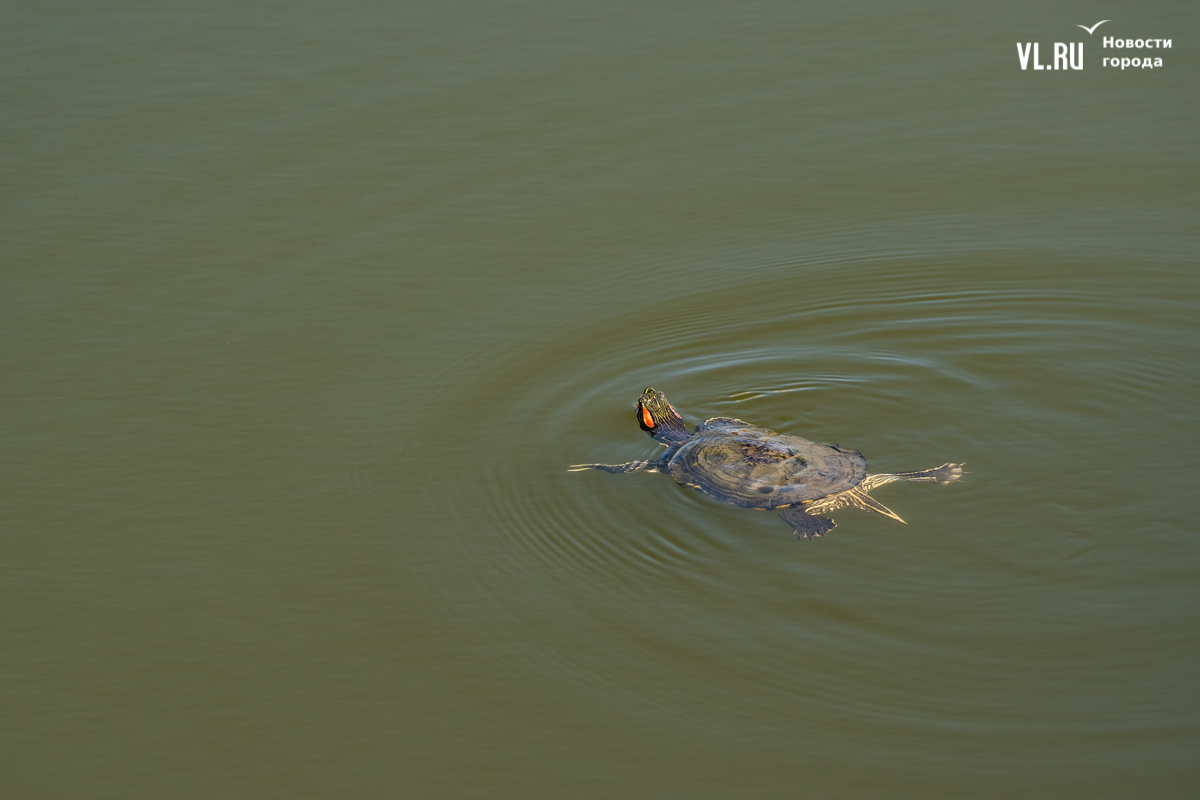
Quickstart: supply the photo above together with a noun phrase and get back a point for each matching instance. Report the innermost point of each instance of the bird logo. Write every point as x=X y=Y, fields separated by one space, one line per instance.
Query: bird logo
x=1092 y=29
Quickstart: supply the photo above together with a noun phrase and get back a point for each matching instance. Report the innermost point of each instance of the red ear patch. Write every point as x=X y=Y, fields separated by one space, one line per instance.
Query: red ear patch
x=649 y=420
x=673 y=411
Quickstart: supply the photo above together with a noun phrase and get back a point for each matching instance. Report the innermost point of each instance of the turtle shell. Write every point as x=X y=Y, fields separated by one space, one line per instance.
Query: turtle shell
x=754 y=467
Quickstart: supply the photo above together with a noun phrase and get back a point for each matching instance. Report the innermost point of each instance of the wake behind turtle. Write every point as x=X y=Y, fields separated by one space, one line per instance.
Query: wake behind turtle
x=753 y=467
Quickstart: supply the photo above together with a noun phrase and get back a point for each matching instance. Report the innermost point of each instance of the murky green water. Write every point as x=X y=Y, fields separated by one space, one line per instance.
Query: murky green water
x=305 y=310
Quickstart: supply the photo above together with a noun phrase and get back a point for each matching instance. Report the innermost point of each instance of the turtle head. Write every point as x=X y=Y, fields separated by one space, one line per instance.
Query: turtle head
x=657 y=417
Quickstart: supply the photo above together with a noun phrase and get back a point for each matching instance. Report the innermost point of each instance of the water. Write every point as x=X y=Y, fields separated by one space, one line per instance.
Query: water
x=307 y=309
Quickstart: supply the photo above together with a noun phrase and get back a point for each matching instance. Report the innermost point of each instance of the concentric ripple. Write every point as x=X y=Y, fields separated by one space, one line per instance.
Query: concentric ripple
x=1040 y=386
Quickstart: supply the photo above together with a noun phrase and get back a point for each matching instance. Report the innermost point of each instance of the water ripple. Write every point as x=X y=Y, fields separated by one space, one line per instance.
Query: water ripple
x=914 y=364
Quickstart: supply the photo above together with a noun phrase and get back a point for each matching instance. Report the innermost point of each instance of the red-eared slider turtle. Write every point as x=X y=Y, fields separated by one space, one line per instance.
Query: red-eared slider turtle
x=753 y=467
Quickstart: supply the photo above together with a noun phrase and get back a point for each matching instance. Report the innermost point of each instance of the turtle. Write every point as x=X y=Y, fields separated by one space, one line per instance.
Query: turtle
x=736 y=462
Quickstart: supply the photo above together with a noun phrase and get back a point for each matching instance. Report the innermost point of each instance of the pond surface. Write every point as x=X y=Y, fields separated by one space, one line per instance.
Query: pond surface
x=307 y=309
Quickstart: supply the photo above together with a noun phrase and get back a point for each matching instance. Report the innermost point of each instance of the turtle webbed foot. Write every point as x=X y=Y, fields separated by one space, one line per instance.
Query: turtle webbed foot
x=946 y=473
x=804 y=524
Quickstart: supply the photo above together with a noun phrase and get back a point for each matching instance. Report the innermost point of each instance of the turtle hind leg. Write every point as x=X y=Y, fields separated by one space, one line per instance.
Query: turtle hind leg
x=632 y=466
x=946 y=473
x=804 y=524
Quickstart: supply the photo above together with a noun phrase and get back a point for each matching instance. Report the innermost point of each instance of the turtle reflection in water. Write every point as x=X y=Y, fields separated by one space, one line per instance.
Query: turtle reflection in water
x=754 y=467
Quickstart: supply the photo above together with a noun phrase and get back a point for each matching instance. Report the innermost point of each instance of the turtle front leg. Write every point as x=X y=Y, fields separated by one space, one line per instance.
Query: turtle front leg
x=804 y=524
x=632 y=466
x=946 y=473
